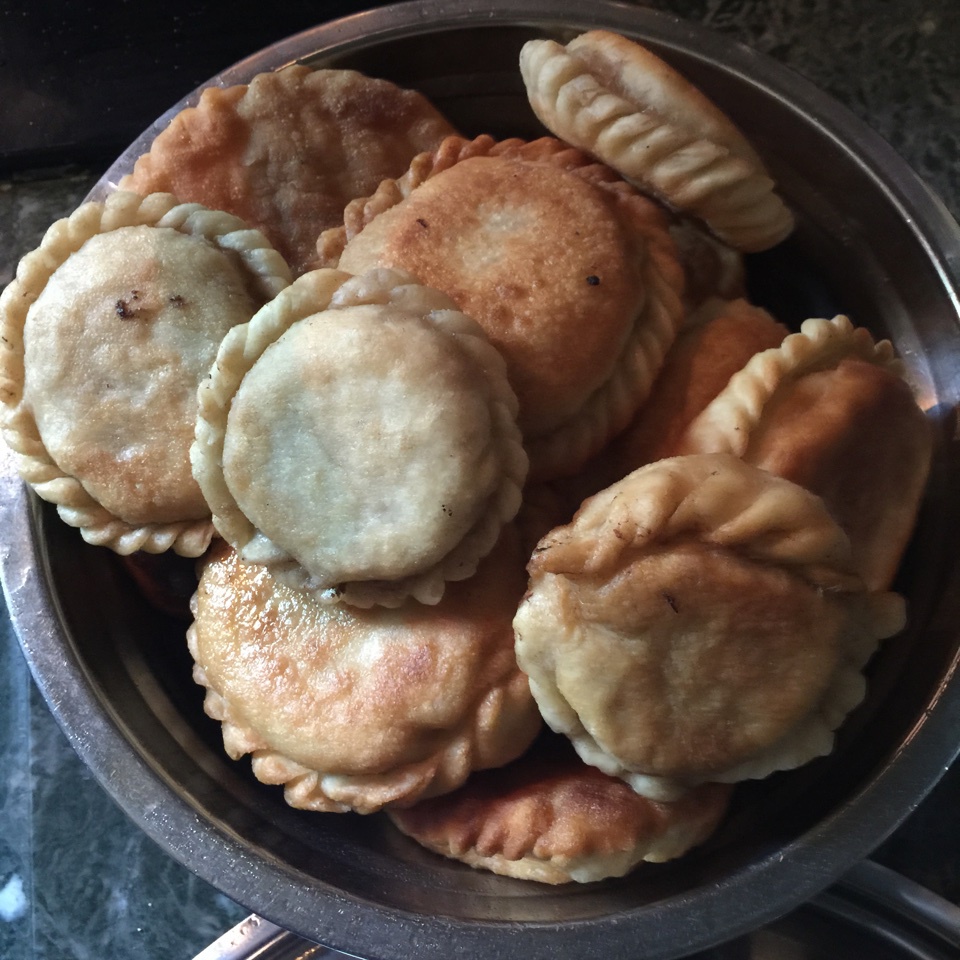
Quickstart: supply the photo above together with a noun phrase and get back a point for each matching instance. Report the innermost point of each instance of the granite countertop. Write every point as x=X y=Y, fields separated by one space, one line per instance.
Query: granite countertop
x=77 y=880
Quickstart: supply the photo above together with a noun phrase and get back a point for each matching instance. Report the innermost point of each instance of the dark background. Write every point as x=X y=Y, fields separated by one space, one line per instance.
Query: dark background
x=80 y=80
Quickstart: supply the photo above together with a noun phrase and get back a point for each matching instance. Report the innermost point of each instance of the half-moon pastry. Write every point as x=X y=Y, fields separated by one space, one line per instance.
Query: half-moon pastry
x=829 y=410
x=287 y=151
x=724 y=608
x=572 y=275
x=620 y=102
x=549 y=817
x=356 y=709
x=359 y=437
x=107 y=331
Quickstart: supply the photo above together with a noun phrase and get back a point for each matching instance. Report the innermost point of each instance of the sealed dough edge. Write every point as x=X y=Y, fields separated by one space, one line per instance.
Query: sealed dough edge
x=493 y=498
x=266 y=274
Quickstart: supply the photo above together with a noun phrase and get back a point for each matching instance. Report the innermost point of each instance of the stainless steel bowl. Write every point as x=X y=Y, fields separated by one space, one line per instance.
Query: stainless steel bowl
x=872 y=242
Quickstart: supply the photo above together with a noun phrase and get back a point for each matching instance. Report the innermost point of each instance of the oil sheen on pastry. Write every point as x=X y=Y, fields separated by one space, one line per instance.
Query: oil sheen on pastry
x=355 y=709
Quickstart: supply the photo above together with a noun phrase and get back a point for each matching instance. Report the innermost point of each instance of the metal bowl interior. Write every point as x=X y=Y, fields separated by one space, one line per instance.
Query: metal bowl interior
x=872 y=242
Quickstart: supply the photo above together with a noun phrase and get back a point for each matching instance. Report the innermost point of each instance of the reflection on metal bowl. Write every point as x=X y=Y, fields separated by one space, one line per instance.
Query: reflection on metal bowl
x=872 y=242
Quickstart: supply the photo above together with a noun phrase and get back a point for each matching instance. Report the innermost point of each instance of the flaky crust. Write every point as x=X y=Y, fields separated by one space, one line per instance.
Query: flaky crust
x=143 y=512
x=722 y=602
x=549 y=817
x=367 y=507
x=626 y=106
x=358 y=709
x=586 y=279
x=287 y=151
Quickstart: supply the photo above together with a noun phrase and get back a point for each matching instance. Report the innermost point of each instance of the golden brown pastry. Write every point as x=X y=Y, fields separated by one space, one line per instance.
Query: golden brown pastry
x=287 y=151
x=715 y=343
x=725 y=335
x=359 y=437
x=700 y=620
x=572 y=275
x=107 y=331
x=356 y=709
x=617 y=100
x=829 y=410
x=550 y=817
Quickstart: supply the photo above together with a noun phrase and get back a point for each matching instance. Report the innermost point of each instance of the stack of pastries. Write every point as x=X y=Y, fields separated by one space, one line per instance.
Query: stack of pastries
x=513 y=517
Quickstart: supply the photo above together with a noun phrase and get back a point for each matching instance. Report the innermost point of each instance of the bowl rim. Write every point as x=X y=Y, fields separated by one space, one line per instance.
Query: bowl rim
x=765 y=891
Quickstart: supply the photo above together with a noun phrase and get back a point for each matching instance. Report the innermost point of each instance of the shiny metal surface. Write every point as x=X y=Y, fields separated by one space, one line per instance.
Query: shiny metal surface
x=872 y=242
x=870 y=912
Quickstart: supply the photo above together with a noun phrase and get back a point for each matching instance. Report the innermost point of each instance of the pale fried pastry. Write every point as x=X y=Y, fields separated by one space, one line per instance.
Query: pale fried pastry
x=359 y=436
x=723 y=605
x=572 y=275
x=830 y=411
x=550 y=817
x=287 y=151
x=619 y=101
x=356 y=709
x=107 y=331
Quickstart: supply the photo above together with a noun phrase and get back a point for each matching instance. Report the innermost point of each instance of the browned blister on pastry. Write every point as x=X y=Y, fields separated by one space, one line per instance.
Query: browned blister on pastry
x=724 y=608
x=357 y=709
x=572 y=275
x=622 y=103
x=108 y=329
x=549 y=817
x=830 y=410
x=287 y=151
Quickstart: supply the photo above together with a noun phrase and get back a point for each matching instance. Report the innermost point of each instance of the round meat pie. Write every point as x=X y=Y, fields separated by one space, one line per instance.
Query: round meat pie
x=287 y=151
x=107 y=331
x=571 y=273
x=724 y=608
x=550 y=817
x=830 y=410
x=356 y=709
x=359 y=437
x=623 y=104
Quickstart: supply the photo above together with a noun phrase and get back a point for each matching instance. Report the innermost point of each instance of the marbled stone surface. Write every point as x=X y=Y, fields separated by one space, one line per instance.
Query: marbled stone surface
x=77 y=880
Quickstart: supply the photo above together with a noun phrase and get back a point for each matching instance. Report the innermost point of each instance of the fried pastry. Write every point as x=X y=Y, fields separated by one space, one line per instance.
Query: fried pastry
x=359 y=437
x=550 y=817
x=712 y=270
x=829 y=410
x=714 y=344
x=617 y=100
x=287 y=151
x=724 y=607
x=358 y=709
x=572 y=275
x=725 y=335
x=107 y=331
